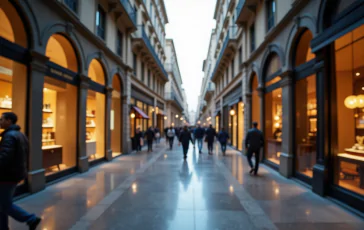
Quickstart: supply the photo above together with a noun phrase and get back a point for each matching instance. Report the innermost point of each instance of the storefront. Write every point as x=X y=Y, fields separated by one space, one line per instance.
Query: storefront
x=60 y=93
x=340 y=81
x=14 y=43
x=217 y=116
x=234 y=111
x=273 y=110
x=160 y=116
x=95 y=113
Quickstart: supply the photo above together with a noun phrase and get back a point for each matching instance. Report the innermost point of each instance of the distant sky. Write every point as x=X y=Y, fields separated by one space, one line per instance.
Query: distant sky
x=190 y=25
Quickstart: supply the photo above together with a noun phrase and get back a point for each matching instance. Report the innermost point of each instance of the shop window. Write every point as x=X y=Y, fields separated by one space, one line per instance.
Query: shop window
x=305 y=110
x=306 y=125
x=240 y=125
x=349 y=62
x=95 y=125
x=255 y=101
x=273 y=125
x=116 y=114
x=59 y=127
x=95 y=114
x=60 y=51
x=151 y=112
x=12 y=28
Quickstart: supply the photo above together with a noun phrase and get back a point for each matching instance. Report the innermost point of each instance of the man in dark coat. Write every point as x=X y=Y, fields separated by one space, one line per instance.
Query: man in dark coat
x=199 y=134
x=14 y=149
x=185 y=138
x=223 y=137
x=150 y=137
x=138 y=139
x=210 y=137
x=253 y=142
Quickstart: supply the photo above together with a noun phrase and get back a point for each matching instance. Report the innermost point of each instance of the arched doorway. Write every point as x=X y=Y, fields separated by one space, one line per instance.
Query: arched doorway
x=305 y=106
x=116 y=117
x=60 y=93
x=95 y=113
x=273 y=110
x=255 y=102
x=13 y=69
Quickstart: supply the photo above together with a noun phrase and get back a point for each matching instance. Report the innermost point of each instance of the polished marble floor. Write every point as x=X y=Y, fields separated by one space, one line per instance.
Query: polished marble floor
x=160 y=191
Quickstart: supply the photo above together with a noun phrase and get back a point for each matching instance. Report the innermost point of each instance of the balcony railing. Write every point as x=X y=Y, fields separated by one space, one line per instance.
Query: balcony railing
x=171 y=96
x=174 y=70
x=231 y=35
x=130 y=10
x=143 y=35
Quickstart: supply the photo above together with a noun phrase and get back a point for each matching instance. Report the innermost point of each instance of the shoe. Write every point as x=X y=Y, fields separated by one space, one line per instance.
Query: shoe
x=34 y=224
x=251 y=171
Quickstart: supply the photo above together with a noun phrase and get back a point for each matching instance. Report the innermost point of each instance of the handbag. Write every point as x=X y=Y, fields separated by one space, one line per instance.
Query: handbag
x=141 y=142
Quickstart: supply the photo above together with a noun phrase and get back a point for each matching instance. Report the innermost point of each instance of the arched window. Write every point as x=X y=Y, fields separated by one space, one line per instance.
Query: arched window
x=95 y=114
x=59 y=128
x=116 y=117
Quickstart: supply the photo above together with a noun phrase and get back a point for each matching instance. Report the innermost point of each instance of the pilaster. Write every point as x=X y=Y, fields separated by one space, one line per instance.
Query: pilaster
x=37 y=71
x=83 y=163
x=108 y=149
x=286 y=158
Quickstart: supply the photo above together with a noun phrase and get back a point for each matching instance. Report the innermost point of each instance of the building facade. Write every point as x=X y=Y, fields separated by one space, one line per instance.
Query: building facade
x=301 y=74
x=81 y=76
x=173 y=91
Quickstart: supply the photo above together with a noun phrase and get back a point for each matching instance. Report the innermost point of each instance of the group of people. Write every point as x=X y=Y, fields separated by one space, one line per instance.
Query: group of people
x=150 y=135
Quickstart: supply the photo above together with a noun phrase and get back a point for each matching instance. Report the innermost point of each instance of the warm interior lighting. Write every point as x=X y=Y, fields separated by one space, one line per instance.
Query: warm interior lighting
x=350 y=102
x=279 y=95
x=176 y=115
x=360 y=101
x=277 y=125
x=165 y=117
x=276 y=118
x=232 y=112
x=357 y=74
x=132 y=115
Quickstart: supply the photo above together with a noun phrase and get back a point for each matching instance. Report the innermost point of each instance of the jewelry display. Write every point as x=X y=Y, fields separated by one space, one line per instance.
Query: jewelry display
x=6 y=102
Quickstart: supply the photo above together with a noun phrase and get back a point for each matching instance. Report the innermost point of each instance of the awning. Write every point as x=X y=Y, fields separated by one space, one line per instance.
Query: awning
x=140 y=112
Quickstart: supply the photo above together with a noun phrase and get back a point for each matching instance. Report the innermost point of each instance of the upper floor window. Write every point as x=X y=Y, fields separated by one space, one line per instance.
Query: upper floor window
x=142 y=72
x=72 y=4
x=240 y=55
x=252 y=37
x=233 y=69
x=135 y=64
x=100 y=22
x=148 y=77
x=271 y=13
x=119 y=43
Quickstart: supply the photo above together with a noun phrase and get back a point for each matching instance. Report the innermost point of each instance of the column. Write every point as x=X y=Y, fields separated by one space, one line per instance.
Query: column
x=127 y=144
x=83 y=164
x=36 y=172
x=248 y=111
x=108 y=149
x=286 y=158
x=320 y=180
x=261 y=94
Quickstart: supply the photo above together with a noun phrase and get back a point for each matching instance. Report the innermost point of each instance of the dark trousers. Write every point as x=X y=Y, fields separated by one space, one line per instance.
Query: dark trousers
x=170 y=139
x=138 y=146
x=223 y=146
x=150 y=145
x=210 y=145
x=7 y=208
x=185 y=149
x=257 y=157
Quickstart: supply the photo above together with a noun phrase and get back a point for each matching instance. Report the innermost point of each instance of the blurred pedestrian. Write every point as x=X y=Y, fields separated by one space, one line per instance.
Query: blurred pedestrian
x=150 y=137
x=184 y=139
x=223 y=137
x=210 y=138
x=199 y=134
x=254 y=140
x=171 y=134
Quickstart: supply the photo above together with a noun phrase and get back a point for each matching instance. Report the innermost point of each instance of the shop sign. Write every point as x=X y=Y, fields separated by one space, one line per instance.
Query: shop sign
x=61 y=73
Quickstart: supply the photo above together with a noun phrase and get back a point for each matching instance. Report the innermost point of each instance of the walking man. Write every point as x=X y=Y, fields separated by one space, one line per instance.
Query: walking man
x=199 y=134
x=185 y=138
x=170 y=134
x=223 y=137
x=210 y=136
x=14 y=149
x=253 y=142
x=150 y=137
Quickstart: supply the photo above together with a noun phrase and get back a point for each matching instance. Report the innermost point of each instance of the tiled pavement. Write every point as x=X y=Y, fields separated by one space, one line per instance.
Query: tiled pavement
x=160 y=191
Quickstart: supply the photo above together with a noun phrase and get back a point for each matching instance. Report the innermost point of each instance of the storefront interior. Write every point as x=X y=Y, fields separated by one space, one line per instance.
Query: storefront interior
x=116 y=125
x=95 y=115
x=349 y=64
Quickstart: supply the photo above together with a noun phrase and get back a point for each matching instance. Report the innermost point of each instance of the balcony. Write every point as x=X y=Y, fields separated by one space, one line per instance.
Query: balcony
x=209 y=91
x=141 y=43
x=172 y=68
x=123 y=9
x=245 y=10
x=227 y=50
x=172 y=97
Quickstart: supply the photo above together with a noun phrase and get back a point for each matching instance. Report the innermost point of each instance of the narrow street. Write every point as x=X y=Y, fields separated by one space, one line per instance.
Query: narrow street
x=160 y=191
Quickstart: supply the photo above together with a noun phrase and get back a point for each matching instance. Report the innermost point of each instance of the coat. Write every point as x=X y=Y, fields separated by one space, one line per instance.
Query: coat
x=223 y=136
x=185 y=138
x=199 y=133
x=14 y=149
x=149 y=134
x=254 y=139
x=210 y=134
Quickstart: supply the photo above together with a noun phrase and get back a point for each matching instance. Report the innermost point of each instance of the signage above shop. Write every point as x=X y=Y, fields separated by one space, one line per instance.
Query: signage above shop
x=61 y=73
